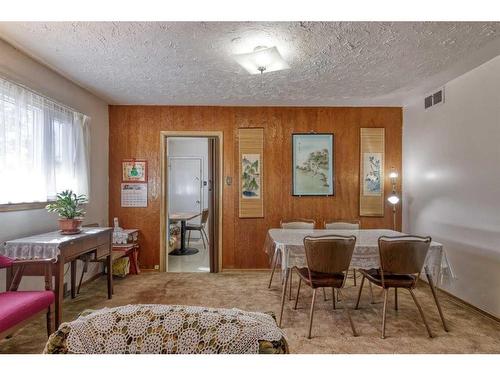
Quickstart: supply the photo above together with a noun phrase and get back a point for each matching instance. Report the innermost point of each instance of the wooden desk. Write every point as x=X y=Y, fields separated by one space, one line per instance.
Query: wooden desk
x=62 y=249
x=183 y=217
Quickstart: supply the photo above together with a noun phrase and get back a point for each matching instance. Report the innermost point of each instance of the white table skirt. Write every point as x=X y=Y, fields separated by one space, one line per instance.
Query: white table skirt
x=42 y=246
x=289 y=242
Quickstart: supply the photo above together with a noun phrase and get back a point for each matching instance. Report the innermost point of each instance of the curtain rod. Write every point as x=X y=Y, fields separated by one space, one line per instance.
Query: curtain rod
x=2 y=76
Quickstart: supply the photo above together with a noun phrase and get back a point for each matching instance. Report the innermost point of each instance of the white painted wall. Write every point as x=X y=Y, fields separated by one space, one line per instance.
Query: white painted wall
x=451 y=161
x=16 y=66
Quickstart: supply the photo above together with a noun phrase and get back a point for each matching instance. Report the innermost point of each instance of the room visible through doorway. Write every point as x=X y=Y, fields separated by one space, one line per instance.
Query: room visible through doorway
x=191 y=204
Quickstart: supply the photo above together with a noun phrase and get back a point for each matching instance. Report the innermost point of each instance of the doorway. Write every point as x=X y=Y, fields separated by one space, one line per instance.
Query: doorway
x=191 y=202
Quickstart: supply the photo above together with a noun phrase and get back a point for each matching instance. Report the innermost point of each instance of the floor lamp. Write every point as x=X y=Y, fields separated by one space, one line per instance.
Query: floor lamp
x=393 y=197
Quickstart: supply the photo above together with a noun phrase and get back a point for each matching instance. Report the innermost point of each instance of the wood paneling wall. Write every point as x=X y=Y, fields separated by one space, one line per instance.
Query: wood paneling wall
x=134 y=132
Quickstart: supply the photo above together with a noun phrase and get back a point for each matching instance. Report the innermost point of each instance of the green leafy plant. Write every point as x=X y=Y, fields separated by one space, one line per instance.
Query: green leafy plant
x=68 y=205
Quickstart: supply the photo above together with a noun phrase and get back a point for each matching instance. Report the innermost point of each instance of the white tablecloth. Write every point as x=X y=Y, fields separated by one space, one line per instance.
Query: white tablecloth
x=365 y=256
x=42 y=246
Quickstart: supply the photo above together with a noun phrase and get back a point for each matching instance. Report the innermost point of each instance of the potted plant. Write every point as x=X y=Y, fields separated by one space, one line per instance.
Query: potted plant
x=69 y=206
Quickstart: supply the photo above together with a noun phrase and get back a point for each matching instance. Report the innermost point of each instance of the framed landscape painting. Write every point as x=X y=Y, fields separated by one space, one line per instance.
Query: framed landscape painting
x=312 y=164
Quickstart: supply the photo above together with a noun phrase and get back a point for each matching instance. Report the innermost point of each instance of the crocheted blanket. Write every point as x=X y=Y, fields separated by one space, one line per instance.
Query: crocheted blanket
x=167 y=329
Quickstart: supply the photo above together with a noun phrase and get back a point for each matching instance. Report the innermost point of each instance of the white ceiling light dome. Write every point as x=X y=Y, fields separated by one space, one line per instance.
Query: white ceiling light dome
x=262 y=60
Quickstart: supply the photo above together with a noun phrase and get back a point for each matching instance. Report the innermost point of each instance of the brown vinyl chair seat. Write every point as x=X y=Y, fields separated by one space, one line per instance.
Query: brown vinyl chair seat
x=320 y=279
x=391 y=280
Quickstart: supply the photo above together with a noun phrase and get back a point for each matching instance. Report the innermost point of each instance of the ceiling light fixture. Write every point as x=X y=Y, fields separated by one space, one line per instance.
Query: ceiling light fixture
x=262 y=59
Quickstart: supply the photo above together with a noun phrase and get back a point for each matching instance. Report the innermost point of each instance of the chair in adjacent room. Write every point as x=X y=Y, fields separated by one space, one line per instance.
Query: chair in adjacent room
x=401 y=261
x=328 y=259
x=200 y=228
x=17 y=307
x=344 y=224
x=289 y=224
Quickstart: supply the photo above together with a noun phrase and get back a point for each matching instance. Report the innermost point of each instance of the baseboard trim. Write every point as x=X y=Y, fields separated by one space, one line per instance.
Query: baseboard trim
x=466 y=304
x=236 y=270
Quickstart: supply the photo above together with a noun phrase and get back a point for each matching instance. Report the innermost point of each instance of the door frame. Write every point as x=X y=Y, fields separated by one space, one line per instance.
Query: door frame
x=164 y=189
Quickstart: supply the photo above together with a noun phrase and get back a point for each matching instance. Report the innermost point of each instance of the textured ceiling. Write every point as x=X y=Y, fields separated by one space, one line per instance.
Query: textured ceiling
x=182 y=63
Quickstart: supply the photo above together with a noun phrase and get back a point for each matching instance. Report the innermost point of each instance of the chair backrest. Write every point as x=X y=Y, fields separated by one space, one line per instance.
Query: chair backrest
x=297 y=224
x=403 y=254
x=342 y=224
x=329 y=254
x=204 y=216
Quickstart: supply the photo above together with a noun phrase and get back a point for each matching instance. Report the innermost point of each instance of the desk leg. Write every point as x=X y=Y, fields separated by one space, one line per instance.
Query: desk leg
x=109 y=263
x=433 y=290
x=73 y=279
x=283 y=294
x=59 y=291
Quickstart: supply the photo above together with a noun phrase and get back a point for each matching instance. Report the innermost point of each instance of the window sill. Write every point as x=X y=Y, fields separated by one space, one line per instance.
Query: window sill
x=22 y=206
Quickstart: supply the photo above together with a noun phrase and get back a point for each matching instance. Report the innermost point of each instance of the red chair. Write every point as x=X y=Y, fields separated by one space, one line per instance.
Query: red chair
x=16 y=307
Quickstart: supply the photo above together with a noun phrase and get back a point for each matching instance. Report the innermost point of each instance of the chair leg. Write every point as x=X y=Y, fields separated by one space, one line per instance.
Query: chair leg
x=324 y=295
x=311 y=315
x=205 y=233
x=203 y=240
x=354 y=276
x=84 y=270
x=359 y=293
x=384 y=312
x=189 y=237
x=333 y=291
x=421 y=313
x=371 y=294
x=290 y=291
x=395 y=298
x=433 y=290
x=274 y=264
x=297 y=297
x=49 y=321
x=73 y=278
x=353 y=328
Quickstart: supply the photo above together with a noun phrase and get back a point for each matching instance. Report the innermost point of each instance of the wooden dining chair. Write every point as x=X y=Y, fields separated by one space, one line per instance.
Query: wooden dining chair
x=86 y=259
x=401 y=261
x=344 y=224
x=289 y=224
x=328 y=259
x=200 y=227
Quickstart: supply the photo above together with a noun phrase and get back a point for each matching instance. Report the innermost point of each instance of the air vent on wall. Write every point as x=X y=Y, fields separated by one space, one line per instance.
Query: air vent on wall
x=434 y=99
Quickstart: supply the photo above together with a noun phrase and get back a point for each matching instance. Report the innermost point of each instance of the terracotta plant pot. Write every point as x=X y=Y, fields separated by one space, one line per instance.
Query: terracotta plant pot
x=70 y=226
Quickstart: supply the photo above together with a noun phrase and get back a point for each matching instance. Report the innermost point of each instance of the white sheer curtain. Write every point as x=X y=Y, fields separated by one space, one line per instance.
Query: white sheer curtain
x=43 y=147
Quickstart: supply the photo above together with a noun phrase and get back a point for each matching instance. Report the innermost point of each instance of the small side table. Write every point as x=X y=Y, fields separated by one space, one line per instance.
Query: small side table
x=130 y=249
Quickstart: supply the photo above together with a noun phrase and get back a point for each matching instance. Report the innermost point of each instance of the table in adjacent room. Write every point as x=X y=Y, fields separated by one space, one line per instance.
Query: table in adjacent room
x=183 y=217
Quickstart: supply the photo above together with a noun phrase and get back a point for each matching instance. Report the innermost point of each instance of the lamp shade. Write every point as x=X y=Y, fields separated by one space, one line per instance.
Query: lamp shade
x=261 y=60
x=393 y=198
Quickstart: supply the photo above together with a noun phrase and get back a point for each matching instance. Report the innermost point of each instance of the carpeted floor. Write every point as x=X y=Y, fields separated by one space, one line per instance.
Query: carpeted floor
x=470 y=332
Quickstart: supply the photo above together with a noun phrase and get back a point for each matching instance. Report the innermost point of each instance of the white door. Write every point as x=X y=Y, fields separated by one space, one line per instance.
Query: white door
x=185 y=185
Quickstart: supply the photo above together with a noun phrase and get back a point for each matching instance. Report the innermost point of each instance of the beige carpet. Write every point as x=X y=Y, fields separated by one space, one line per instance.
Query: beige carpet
x=470 y=332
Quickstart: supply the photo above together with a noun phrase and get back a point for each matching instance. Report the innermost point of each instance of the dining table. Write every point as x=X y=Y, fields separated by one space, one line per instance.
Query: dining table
x=183 y=217
x=288 y=245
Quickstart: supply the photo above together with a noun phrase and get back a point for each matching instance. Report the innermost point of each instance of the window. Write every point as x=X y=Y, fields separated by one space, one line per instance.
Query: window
x=43 y=147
